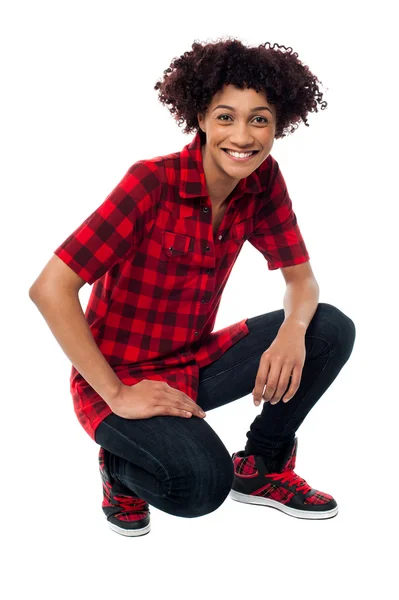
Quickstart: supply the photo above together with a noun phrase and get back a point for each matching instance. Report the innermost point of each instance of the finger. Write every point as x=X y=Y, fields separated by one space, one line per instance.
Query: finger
x=260 y=380
x=174 y=393
x=272 y=380
x=193 y=406
x=172 y=411
x=283 y=383
x=295 y=381
x=183 y=401
x=182 y=405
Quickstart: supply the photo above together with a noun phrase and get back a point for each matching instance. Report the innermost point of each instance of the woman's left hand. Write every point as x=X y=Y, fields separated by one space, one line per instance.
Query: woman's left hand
x=282 y=361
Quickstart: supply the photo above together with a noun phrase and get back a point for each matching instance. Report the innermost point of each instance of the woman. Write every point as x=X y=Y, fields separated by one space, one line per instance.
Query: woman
x=159 y=251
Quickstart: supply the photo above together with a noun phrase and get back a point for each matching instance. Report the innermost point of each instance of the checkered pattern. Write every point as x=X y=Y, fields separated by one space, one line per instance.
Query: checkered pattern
x=158 y=273
x=120 y=505
x=252 y=477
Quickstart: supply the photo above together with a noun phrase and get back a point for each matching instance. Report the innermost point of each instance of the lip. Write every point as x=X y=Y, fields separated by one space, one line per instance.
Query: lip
x=242 y=160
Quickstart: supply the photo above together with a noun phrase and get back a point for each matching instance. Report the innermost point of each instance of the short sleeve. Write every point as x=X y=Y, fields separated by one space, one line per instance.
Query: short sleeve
x=115 y=228
x=276 y=232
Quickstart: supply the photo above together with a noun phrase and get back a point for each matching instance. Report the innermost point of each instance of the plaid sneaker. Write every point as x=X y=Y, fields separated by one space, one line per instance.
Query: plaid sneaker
x=126 y=513
x=254 y=483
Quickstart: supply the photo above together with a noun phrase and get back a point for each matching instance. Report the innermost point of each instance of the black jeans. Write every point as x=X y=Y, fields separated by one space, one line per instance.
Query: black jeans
x=180 y=465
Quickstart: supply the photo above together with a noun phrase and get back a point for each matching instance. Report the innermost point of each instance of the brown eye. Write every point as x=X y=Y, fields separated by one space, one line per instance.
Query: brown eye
x=228 y=116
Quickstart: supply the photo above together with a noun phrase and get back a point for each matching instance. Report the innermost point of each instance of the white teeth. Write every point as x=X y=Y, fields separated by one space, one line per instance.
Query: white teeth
x=239 y=154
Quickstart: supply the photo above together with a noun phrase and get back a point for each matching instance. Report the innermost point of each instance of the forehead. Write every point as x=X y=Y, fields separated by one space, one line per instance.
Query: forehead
x=241 y=99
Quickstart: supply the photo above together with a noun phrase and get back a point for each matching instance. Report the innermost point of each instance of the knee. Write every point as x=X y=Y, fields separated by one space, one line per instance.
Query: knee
x=215 y=487
x=343 y=330
x=206 y=487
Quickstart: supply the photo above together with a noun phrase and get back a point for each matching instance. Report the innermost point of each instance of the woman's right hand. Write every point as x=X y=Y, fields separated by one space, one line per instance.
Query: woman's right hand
x=148 y=398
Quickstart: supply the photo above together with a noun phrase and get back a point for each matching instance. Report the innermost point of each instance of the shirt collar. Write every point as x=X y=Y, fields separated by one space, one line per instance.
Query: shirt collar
x=192 y=176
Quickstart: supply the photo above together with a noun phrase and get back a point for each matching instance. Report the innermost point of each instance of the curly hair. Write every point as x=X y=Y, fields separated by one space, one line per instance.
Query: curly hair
x=191 y=81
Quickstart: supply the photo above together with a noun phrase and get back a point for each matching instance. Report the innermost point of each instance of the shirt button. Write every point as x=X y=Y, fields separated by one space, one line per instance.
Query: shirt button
x=196 y=333
x=220 y=237
x=202 y=301
x=208 y=271
x=207 y=248
x=205 y=209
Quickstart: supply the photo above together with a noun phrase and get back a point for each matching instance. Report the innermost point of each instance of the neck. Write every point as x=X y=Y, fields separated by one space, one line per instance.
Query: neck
x=219 y=188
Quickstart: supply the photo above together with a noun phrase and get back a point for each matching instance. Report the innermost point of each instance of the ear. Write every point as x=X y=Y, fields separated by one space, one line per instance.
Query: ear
x=200 y=119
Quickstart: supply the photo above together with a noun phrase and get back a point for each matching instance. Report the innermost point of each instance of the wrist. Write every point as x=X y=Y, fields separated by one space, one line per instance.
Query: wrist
x=112 y=397
x=293 y=325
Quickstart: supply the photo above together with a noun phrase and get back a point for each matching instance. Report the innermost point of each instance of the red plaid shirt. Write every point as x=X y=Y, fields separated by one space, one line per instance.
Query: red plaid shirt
x=159 y=275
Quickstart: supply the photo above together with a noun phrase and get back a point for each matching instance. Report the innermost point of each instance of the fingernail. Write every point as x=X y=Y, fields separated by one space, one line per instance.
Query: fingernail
x=256 y=402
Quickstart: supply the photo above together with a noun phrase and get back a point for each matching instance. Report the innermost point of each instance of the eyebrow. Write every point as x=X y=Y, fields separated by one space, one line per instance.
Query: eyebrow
x=252 y=110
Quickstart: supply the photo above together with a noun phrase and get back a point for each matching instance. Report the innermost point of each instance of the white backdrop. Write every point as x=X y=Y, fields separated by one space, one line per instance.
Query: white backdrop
x=78 y=109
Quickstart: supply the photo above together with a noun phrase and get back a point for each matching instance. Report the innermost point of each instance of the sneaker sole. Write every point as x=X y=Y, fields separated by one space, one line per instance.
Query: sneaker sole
x=293 y=512
x=129 y=532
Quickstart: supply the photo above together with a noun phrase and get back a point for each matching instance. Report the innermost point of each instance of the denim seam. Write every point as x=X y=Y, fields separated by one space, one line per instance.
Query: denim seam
x=230 y=368
x=140 y=448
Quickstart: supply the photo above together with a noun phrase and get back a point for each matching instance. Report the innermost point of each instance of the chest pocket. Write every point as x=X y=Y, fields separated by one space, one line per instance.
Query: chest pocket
x=182 y=252
x=175 y=244
x=241 y=231
x=178 y=272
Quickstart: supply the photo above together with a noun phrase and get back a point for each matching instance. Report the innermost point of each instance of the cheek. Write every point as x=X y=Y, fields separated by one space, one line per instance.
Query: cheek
x=268 y=145
x=218 y=153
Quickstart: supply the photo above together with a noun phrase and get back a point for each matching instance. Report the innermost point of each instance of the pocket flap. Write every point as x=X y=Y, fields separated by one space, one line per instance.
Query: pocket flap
x=175 y=244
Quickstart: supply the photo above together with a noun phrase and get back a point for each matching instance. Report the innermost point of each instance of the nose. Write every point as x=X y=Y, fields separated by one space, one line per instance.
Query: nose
x=240 y=137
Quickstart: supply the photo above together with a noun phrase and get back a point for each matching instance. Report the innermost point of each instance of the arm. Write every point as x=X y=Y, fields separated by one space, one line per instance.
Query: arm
x=105 y=238
x=56 y=295
x=301 y=297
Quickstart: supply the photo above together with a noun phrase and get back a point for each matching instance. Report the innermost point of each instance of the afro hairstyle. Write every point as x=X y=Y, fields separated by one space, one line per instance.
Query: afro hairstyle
x=191 y=81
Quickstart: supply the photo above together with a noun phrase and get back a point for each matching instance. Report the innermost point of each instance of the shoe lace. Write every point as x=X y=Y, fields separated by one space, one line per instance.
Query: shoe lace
x=292 y=479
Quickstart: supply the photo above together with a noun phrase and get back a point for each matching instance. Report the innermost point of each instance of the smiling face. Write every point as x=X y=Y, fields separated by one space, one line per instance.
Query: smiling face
x=239 y=121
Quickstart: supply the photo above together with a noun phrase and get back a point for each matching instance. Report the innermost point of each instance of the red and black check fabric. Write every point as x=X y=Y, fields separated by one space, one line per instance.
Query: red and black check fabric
x=158 y=274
